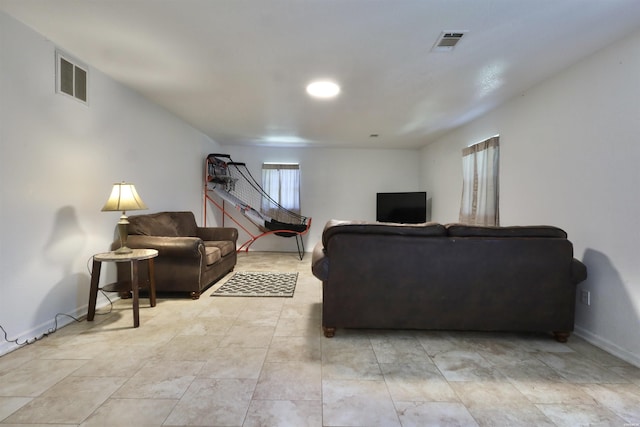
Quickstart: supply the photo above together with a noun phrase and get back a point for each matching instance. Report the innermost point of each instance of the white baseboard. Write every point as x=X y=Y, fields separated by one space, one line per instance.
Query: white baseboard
x=608 y=346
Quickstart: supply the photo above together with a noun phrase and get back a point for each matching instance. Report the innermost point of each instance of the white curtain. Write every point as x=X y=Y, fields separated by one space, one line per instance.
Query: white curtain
x=480 y=189
x=282 y=183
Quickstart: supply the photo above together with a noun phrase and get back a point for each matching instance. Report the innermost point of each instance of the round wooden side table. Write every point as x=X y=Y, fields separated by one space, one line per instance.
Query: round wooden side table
x=134 y=257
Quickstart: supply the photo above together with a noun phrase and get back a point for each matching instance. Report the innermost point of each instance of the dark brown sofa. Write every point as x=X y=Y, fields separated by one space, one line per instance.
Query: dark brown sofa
x=453 y=277
x=190 y=258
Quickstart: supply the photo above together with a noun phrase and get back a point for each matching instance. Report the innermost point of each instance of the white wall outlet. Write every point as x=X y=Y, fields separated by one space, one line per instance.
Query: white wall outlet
x=585 y=297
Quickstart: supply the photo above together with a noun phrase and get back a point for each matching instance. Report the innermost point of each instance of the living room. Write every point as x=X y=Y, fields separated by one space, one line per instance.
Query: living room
x=569 y=158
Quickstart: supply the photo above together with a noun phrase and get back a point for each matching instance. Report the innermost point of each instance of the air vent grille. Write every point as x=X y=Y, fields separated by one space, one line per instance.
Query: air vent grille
x=448 y=40
x=71 y=77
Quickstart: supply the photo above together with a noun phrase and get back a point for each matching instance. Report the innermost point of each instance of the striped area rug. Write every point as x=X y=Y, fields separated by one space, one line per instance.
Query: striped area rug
x=258 y=284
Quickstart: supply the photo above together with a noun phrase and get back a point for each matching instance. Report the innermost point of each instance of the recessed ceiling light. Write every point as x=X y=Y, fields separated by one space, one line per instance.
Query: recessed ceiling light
x=323 y=89
x=284 y=139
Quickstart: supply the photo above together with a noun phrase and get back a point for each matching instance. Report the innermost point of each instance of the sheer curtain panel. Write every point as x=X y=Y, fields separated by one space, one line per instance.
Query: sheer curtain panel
x=282 y=183
x=480 y=189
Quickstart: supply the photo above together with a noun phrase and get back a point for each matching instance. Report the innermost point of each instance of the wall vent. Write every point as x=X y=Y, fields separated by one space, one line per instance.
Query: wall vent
x=448 y=40
x=72 y=77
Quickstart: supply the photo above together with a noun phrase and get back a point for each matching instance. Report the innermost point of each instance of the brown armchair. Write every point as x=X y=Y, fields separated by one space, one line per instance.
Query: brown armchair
x=190 y=258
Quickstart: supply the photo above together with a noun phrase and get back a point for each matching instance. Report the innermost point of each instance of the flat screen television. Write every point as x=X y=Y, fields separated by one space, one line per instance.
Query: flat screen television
x=407 y=207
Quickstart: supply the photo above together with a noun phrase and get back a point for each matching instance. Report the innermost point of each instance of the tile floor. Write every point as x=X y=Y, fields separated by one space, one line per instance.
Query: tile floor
x=225 y=361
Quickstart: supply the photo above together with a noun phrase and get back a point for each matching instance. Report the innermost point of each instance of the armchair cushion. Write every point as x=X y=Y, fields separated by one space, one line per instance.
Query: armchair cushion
x=224 y=246
x=212 y=255
x=168 y=224
x=152 y=226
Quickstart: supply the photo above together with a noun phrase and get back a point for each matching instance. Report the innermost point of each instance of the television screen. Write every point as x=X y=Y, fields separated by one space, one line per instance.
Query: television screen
x=408 y=207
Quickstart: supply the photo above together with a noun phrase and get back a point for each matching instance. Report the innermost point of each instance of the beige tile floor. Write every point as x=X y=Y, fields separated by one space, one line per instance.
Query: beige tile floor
x=225 y=361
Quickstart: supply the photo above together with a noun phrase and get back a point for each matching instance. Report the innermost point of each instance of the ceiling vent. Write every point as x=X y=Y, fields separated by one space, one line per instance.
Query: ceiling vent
x=448 y=40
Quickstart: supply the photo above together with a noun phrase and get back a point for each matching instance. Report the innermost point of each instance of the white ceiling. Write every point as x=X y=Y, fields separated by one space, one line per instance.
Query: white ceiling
x=237 y=69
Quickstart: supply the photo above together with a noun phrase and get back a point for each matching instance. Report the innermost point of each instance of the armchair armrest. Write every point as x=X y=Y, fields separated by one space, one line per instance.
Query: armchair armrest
x=578 y=271
x=217 y=233
x=188 y=247
x=320 y=262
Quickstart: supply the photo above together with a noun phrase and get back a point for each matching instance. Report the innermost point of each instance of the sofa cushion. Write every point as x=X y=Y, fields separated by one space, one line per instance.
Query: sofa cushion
x=185 y=223
x=212 y=254
x=385 y=228
x=462 y=230
x=152 y=225
x=226 y=247
x=166 y=224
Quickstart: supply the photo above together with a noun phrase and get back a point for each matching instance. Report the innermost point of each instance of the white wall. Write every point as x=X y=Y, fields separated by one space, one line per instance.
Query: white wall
x=570 y=152
x=335 y=184
x=58 y=161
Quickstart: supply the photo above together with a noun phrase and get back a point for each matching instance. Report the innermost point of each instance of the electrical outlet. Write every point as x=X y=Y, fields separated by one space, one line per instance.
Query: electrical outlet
x=585 y=297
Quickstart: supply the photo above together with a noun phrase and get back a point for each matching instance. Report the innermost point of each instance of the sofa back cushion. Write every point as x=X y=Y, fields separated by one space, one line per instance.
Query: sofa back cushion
x=462 y=230
x=167 y=224
x=426 y=229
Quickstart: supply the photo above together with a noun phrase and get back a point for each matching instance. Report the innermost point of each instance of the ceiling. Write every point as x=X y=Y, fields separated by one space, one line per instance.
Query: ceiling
x=237 y=69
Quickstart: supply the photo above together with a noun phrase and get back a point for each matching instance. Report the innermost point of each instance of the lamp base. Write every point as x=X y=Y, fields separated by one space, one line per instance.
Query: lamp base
x=123 y=250
x=122 y=231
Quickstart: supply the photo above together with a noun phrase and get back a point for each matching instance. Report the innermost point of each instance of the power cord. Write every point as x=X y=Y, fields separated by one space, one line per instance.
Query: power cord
x=55 y=328
x=33 y=340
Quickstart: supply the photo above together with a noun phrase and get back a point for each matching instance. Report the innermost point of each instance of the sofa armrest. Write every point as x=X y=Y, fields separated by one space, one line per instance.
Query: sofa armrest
x=578 y=271
x=218 y=233
x=188 y=247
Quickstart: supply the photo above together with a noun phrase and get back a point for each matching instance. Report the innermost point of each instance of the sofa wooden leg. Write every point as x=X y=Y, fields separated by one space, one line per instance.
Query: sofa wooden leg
x=195 y=295
x=561 y=336
x=329 y=332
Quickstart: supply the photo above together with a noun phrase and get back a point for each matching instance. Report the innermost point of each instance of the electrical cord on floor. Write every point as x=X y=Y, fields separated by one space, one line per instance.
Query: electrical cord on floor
x=110 y=304
x=38 y=338
x=55 y=328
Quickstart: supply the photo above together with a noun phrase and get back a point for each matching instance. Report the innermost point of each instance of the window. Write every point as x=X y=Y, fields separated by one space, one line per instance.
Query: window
x=282 y=183
x=480 y=196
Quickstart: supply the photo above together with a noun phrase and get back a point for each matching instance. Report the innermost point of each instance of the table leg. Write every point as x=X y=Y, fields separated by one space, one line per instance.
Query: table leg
x=134 y=290
x=152 y=283
x=93 y=290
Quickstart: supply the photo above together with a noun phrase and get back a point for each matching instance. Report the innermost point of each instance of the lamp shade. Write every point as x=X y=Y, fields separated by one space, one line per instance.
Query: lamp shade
x=124 y=197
